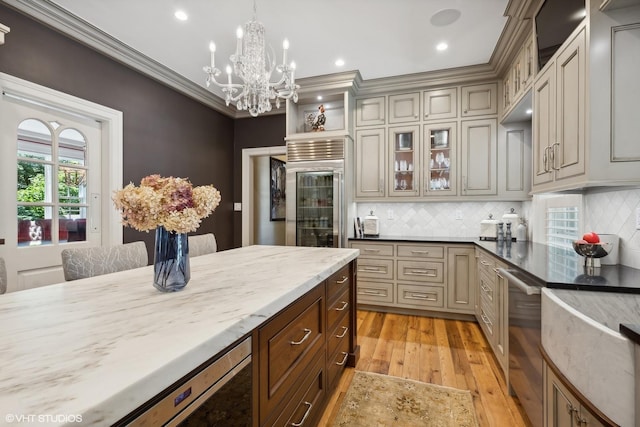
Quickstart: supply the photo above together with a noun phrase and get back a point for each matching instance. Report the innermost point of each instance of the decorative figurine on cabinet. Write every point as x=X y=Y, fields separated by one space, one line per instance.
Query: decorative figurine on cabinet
x=317 y=122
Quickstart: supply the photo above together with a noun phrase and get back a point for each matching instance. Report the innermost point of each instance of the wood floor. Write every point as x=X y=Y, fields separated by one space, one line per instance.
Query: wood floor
x=438 y=351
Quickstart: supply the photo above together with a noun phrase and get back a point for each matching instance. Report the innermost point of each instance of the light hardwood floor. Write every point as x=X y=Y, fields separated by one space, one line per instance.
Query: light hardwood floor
x=438 y=351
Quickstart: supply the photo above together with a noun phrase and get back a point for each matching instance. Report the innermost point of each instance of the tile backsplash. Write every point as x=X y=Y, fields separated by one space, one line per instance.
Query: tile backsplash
x=606 y=212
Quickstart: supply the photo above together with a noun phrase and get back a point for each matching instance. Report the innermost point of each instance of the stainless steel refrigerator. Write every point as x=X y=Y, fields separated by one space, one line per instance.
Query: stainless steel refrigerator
x=317 y=209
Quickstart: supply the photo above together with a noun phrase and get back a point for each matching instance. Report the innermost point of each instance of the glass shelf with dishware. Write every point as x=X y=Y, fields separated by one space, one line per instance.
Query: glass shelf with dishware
x=440 y=142
x=404 y=160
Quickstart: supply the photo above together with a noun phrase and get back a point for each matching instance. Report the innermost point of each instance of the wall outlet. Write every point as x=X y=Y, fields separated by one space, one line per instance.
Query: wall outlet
x=637 y=218
x=390 y=214
x=237 y=207
x=458 y=214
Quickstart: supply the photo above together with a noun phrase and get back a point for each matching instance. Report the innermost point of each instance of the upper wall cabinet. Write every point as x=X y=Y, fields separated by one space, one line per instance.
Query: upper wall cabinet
x=404 y=108
x=370 y=154
x=479 y=100
x=519 y=76
x=479 y=157
x=584 y=99
x=370 y=111
x=440 y=104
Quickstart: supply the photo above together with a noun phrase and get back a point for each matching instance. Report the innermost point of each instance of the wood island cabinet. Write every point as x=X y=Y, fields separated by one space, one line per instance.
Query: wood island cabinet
x=302 y=352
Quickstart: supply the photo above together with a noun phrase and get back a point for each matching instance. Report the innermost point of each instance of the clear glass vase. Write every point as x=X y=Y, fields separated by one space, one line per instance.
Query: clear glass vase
x=171 y=268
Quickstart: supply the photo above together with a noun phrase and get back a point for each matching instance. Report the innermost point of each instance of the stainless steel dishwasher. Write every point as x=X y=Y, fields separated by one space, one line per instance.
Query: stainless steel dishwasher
x=219 y=394
x=525 y=359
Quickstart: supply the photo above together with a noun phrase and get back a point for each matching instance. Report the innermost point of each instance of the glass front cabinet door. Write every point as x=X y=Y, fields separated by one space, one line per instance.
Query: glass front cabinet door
x=404 y=156
x=439 y=159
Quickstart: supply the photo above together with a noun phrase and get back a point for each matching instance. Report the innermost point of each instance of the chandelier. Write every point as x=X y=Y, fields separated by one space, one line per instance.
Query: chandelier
x=253 y=64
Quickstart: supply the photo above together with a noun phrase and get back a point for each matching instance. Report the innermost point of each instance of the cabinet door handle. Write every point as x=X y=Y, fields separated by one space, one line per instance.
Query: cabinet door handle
x=344 y=332
x=344 y=279
x=464 y=184
x=344 y=359
x=545 y=160
x=553 y=156
x=307 y=333
x=345 y=304
x=306 y=414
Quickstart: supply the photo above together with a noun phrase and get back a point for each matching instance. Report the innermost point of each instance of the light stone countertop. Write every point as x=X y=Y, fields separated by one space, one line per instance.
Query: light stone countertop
x=101 y=347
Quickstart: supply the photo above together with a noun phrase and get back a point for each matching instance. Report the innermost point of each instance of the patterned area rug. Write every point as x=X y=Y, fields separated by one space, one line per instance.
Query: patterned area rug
x=375 y=400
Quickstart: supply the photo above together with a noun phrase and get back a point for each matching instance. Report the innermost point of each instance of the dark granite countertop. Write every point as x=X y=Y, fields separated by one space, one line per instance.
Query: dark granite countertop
x=549 y=266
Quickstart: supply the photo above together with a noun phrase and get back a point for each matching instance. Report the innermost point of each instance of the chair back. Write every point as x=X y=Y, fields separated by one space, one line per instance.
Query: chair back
x=80 y=263
x=202 y=244
x=3 y=276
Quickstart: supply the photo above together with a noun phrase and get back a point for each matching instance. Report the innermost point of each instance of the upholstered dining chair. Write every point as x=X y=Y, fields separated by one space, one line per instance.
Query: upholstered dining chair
x=202 y=244
x=3 y=276
x=80 y=263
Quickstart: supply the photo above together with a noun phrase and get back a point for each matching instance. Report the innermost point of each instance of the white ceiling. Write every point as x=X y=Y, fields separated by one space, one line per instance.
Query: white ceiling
x=379 y=38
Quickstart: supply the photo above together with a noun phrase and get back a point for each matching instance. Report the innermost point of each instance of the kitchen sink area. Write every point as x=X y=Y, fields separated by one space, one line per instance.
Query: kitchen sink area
x=580 y=334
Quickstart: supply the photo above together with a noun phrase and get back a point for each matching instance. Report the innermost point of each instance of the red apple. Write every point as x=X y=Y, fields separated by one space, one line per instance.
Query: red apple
x=581 y=242
x=591 y=237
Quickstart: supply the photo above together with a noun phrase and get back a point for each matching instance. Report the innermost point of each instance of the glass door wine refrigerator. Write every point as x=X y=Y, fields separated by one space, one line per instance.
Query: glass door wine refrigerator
x=315 y=203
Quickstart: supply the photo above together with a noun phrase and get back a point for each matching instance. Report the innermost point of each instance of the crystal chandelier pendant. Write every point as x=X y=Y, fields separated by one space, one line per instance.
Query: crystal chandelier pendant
x=254 y=65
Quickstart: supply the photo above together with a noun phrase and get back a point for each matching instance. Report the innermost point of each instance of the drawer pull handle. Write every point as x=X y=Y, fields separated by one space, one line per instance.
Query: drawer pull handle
x=372 y=292
x=486 y=288
x=485 y=319
x=344 y=359
x=485 y=263
x=344 y=279
x=306 y=414
x=420 y=252
x=372 y=269
x=421 y=296
x=307 y=333
x=371 y=250
x=421 y=273
x=345 y=304
x=344 y=332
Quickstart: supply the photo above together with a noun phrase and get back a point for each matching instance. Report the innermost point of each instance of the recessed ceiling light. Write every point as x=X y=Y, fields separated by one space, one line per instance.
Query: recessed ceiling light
x=442 y=46
x=339 y=62
x=319 y=97
x=181 y=15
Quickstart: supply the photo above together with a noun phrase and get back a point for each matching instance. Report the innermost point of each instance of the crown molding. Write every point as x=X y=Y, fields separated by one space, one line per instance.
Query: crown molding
x=76 y=28
x=519 y=13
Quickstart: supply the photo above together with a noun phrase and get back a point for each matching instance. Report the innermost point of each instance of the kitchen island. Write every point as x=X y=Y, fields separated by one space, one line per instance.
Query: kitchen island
x=101 y=347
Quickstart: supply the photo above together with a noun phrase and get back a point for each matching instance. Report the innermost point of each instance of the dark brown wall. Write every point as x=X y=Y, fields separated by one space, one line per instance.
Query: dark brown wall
x=164 y=132
x=254 y=132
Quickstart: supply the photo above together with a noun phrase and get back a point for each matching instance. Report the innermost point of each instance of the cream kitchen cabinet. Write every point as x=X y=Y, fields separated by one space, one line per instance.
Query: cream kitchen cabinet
x=371 y=111
x=439 y=163
x=562 y=408
x=404 y=108
x=491 y=305
x=404 y=159
x=478 y=166
x=371 y=159
x=479 y=100
x=409 y=276
x=559 y=116
x=440 y=104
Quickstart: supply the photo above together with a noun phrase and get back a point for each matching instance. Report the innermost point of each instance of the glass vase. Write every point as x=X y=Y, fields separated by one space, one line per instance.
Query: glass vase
x=171 y=269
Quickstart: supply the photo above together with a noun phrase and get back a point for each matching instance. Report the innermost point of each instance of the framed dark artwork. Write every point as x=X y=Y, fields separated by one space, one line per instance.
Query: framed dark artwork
x=278 y=176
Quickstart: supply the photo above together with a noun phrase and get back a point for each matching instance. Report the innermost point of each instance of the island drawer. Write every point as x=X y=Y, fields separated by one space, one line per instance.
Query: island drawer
x=339 y=334
x=420 y=296
x=338 y=282
x=369 y=249
x=371 y=268
x=421 y=271
x=375 y=292
x=306 y=405
x=336 y=362
x=288 y=345
x=421 y=251
x=337 y=309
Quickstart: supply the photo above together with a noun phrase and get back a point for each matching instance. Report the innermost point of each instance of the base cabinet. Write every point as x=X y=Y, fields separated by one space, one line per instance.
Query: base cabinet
x=303 y=350
x=416 y=276
x=562 y=408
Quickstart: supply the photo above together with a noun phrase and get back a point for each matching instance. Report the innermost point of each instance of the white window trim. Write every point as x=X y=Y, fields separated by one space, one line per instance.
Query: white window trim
x=112 y=140
x=542 y=202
